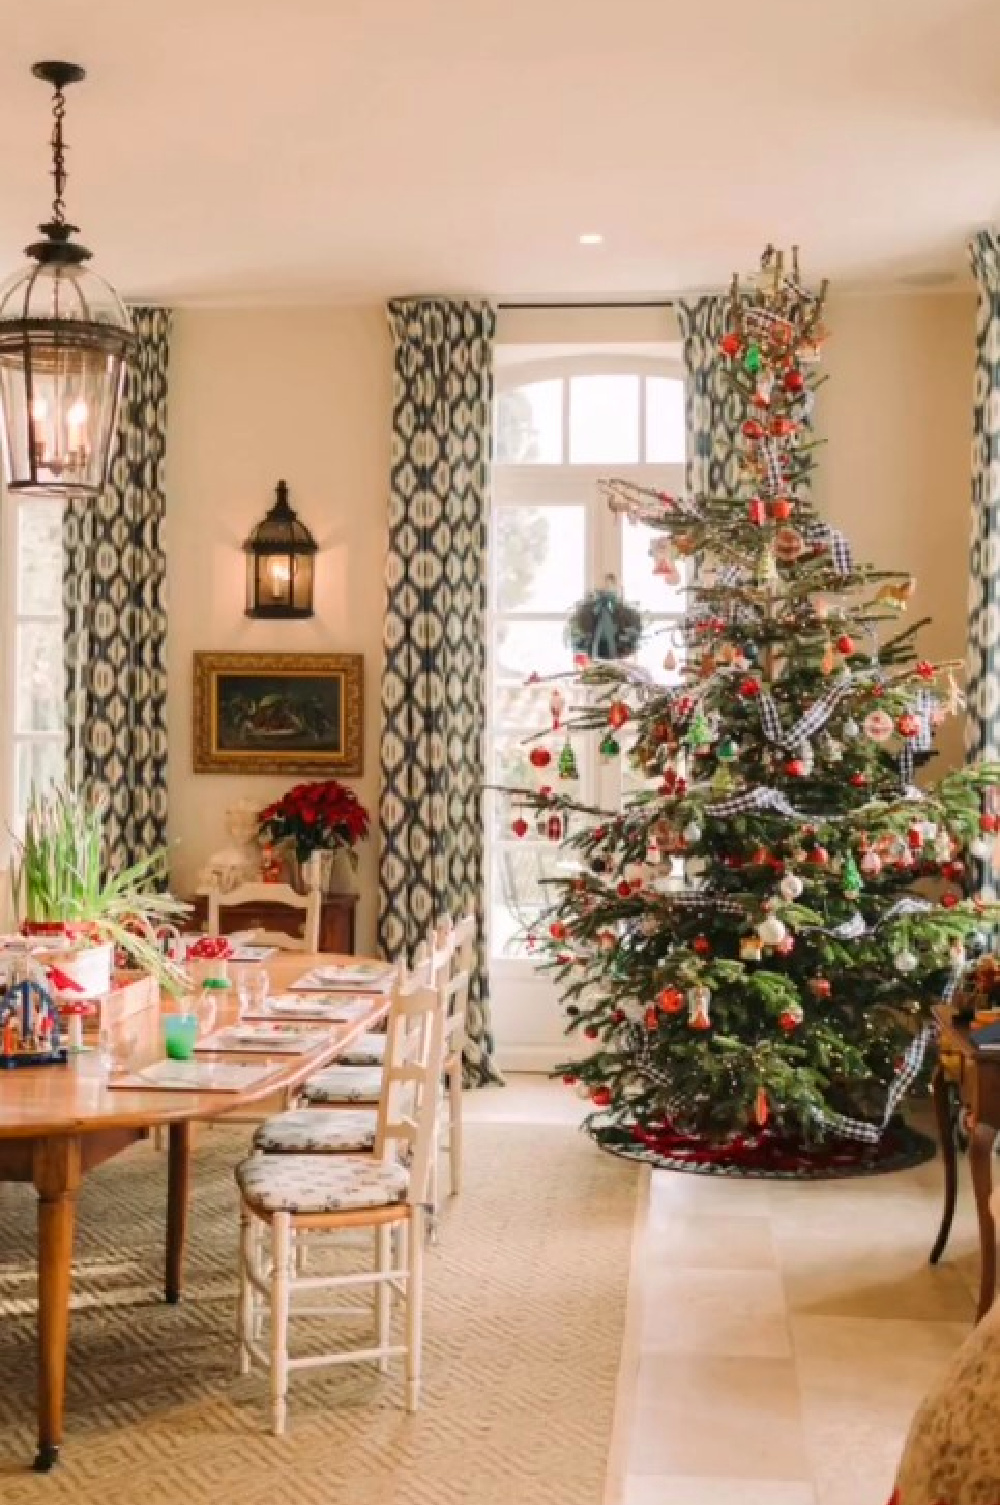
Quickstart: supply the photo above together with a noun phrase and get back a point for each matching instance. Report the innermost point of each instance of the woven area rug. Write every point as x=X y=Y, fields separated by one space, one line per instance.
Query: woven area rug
x=525 y=1312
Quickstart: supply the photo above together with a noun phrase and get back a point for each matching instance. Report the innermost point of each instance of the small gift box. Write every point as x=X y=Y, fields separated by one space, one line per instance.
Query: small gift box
x=209 y=957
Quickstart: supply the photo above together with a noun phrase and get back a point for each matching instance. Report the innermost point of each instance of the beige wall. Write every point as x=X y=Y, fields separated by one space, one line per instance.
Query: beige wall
x=895 y=471
x=257 y=395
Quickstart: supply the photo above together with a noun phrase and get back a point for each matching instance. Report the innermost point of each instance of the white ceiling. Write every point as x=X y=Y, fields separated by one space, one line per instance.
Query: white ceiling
x=286 y=150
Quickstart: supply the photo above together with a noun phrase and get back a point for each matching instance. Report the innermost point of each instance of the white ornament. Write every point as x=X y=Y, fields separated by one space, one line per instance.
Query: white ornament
x=772 y=931
x=850 y=727
x=981 y=848
x=634 y=874
x=928 y=829
x=871 y=863
x=790 y=886
x=905 y=961
x=692 y=832
x=878 y=726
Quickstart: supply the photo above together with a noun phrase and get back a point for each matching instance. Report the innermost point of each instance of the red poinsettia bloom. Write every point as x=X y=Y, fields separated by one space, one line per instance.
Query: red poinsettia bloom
x=317 y=817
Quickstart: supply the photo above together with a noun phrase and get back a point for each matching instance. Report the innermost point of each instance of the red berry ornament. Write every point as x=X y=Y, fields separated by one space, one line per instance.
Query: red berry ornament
x=701 y=945
x=949 y=900
x=520 y=826
x=795 y=768
x=601 y=1097
x=780 y=509
x=749 y=688
x=925 y=670
x=908 y=725
x=591 y=1031
x=793 y=380
x=845 y=643
x=618 y=714
x=752 y=429
x=859 y=780
x=624 y=889
x=670 y=1000
x=988 y=822
x=539 y=757
x=557 y=930
x=818 y=855
x=730 y=345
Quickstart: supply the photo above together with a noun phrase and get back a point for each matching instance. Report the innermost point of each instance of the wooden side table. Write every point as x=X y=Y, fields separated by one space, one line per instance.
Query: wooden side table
x=976 y=1076
x=336 y=924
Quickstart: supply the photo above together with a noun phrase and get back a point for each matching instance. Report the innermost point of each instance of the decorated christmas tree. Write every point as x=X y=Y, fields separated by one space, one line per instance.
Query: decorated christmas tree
x=753 y=942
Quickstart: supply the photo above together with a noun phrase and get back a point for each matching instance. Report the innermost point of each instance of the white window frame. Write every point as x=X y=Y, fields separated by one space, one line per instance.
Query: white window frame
x=552 y=485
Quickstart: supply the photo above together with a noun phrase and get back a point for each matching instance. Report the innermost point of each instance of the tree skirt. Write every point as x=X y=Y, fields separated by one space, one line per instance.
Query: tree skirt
x=765 y=1153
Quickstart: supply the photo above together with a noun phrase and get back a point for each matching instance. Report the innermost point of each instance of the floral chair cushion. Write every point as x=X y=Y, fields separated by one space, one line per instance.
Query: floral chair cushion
x=367 y=1050
x=344 y=1084
x=305 y=1131
x=318 y=1183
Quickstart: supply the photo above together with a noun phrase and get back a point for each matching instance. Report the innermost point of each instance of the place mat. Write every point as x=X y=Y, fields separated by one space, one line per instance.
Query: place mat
x=193 y=1076
x=351 y=977
x=274 y=1039
x=328 y=1007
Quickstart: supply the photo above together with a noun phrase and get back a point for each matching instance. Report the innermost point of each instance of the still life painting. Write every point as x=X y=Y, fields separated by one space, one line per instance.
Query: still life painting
x=278 y=713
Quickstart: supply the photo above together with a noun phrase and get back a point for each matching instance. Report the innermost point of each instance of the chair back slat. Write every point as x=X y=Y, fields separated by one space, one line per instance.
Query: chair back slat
x=309 y=905
x=409 y=1100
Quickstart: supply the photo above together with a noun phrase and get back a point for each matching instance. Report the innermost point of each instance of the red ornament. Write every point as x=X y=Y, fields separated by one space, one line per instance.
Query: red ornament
x=925 y=670
x=539 y=757
x=845 y=643
x=820 y=987
x=752 y=429
x=618 y=714
x=949 y=900
x=914 y=838
x=818 y=855
x=793 y=380
x=601 y=1097
x=908 y=725
x=520 y=826
x=591 y=1031
x=786 y=947
x=570 y=1081
x=701 y=945
x=859 y=780
x=780 y=509
x=670 y=1000
x=989 y=822
x=624 y=889
x=557 y=930
x=651 y=1018
x=789 y=1021
x=760 y=1107
x=730 y=344
x=748 y=688
x=878 y=691
x=781 y=428
x=757 y=511
x=795 y=768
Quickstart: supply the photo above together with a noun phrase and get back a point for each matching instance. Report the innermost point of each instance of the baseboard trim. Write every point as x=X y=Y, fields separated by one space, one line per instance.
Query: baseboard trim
x=536 y=1058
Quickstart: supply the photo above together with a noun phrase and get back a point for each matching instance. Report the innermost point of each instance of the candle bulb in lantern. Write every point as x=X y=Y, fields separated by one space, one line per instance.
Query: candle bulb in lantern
x=39 y=423
x=76 y=425
x=280 y=574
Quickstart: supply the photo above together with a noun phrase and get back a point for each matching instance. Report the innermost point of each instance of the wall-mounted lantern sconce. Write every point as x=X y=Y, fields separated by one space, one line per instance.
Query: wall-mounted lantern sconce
x=280 y=553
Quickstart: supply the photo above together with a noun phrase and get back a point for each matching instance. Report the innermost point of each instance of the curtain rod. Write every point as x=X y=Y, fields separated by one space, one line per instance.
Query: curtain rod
x=661 y=303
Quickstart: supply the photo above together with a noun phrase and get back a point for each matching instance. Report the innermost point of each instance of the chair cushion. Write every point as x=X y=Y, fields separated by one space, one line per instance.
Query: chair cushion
x=344 y=1084
x=367 y=1050
x=320 y=1183
x=304 y=1131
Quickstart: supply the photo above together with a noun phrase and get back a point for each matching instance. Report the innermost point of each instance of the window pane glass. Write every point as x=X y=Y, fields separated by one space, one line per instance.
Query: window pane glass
x=41 y=764
x=665 y=432
x=40 y=689
x=530 y=647
x=519 y=891
x=604 y=420
x=539 y=557
x=660 y=641
x=39 y=557
x=639 y=584
x=529 y=424
x=520 y=707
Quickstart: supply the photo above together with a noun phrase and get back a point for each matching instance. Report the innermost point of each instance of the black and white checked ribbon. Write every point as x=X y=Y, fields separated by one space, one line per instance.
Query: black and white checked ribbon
x=836 y=541
x=809 y=723
x=855 y=928
x=906 y=1074
x=771 y=453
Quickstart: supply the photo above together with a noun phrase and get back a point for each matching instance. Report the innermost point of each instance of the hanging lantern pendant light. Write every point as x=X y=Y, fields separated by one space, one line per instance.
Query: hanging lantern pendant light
x=65 y=337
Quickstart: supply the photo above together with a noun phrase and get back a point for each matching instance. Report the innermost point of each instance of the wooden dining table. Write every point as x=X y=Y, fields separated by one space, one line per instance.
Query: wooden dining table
x=59 y=1122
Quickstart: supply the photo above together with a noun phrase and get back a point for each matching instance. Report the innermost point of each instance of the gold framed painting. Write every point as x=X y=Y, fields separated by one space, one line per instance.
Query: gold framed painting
x=294 y=713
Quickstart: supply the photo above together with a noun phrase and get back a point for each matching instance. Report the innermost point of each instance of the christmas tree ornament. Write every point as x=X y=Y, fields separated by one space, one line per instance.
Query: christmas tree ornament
x=779 y=509
x=878 y=726
x=850 y=729
x=948 y=901
x=845 y=644
x=557 y=930
x=557 y=705
x=601 y=1097
x=727 y=750
x=692 y=832
x=699 y=733
x=793 y=381
x=858 y=779
x=699 y=1007
x=988 y=822
x=786 y=947
x=670 y=661
x=555 y=828
x=761 y=1108
x=664 y=563
x=751 y=948
x=670 y=1000
x=653 y=853
x=609 y=747
x=519 y=826
x=908 y=725
x=591 y=1031
x=634 y=874
x=651 y=1019
x=752 y=359
x=795 y=768
x=820 y=987
x=618 y=714
x=757 y=511
x=607 y=940
x=905 y=961
x=790 y=886
x=623 y=889
x=791 y=1017
x=871 y=863
x=539 y=757
x=772 y=931
x=567 y=762
x=980 y=848
x=925 y=670
x=827 y=663
x=749 y=688
x=818 y=856
x=730 y=345
x=915 y=839
x=701 y=945
x=788 y=545
x=850 y=879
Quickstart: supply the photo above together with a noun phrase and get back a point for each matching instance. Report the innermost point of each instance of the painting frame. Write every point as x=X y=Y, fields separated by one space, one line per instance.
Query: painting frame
x=318 y=728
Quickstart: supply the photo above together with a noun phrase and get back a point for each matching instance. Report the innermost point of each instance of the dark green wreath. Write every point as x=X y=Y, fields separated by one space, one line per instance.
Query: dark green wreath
x=603 y=626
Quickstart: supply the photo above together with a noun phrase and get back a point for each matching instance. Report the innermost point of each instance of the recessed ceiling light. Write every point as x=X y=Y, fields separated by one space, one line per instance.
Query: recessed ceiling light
x=591 y=238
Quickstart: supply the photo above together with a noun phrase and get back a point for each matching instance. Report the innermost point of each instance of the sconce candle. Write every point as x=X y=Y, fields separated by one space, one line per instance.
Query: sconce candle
x=280 y=553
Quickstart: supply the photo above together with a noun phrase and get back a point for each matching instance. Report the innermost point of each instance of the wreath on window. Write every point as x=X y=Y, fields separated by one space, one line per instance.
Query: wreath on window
x=603 y=626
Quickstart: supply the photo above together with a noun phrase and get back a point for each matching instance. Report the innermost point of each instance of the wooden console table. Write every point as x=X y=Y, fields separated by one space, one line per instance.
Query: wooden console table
x=976 y=1076
x=336 y=925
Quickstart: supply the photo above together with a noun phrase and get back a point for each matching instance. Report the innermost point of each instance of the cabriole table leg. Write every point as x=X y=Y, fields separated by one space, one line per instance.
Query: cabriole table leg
x=56 y=1174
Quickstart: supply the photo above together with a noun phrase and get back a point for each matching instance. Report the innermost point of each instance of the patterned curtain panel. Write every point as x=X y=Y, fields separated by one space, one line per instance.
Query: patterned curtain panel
x=433 y=684
x=712 y=410
x=982 y=725
x=114 y=579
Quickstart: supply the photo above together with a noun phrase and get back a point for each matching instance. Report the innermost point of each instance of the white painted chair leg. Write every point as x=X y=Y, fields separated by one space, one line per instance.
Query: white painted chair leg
x=383 y=1291
x=455 y=1130
x=246 y=1289
x=414 y=1308
x=281 y=1259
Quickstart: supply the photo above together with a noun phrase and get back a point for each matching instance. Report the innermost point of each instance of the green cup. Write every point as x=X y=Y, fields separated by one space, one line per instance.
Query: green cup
x=181 y=1035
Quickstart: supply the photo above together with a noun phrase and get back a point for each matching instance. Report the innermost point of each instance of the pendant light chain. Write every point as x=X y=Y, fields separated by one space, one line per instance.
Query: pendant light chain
x=58 y=155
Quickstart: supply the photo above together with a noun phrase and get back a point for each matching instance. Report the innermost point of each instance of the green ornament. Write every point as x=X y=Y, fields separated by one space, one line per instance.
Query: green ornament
x=727 y=750
x=749 y=652
x=751 y=361
x=609 y=747
x=698 y=733
x=851 y=878
x=722 y=780
x=567 y=762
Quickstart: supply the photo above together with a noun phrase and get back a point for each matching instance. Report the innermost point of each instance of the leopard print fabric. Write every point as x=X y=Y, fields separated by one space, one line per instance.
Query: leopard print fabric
x=952 y=1453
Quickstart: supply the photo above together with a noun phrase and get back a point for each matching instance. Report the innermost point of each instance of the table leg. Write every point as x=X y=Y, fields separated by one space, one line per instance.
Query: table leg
x=56 y=1174
x=949 y=1154
x=981 y=1166
x=178 y=1181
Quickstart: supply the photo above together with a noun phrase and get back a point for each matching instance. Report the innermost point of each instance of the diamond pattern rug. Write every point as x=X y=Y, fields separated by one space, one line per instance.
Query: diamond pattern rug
x=525 y=1309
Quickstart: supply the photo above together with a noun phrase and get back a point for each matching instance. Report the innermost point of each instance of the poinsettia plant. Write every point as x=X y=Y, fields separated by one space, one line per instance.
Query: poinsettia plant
x=318 y=817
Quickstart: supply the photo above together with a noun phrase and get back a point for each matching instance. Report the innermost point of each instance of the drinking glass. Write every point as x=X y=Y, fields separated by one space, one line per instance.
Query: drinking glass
x=180 y=1035
x=252 y=988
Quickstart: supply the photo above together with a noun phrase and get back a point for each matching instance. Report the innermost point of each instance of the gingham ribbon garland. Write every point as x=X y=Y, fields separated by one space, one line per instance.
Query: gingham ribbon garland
x=772 y=454
x=764 y=798
x=809 y=723
x=906 y=1074
x=854 y=928
x=836 y=541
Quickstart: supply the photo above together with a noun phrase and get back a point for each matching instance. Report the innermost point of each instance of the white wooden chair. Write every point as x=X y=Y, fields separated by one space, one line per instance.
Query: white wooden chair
x=286 y=1198
x=309 y=905
x=462 y=939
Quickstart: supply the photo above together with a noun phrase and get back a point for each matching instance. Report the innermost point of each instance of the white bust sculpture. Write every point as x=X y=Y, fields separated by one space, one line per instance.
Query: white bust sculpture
x=239 y=863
